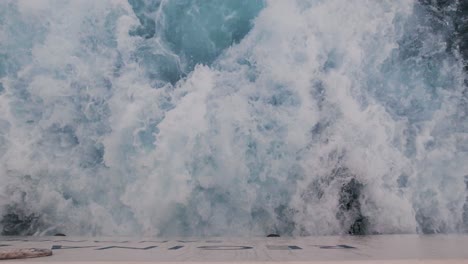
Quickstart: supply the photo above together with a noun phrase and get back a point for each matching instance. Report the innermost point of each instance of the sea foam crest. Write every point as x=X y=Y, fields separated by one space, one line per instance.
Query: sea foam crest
x=301 y=117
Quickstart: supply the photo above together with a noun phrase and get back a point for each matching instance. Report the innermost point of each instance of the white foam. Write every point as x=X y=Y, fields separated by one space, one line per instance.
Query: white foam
x=229 y=147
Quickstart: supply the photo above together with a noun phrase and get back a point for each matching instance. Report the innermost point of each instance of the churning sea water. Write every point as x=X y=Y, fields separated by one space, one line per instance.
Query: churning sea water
x=233 y=117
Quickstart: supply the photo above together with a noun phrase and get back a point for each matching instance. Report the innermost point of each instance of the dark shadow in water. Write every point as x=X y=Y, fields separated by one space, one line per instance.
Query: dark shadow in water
x=350 y=214
x=454 y=17
x=19 y=225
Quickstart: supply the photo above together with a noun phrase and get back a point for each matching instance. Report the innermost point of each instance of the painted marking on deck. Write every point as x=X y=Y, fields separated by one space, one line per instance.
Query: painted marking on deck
x=283 y=247
x=71 y=241
x=56 y=247
x=337 y=247
x=122 y=242
x=118 y=247
x=176 y=248
x=382 y=249
x=225 y=247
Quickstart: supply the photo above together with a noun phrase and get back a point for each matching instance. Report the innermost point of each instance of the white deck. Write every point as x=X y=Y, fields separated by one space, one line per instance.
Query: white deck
x=365 y=249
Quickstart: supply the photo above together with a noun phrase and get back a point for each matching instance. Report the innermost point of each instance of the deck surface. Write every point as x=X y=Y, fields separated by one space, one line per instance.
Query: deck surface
x=330 y=249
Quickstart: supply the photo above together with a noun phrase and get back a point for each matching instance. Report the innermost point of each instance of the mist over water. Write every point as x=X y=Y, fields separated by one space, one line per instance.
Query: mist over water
x=232 y=117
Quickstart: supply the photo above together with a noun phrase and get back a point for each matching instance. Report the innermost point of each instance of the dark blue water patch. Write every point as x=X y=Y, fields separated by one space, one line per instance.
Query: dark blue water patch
x=461 y=28
x=20 y=34
x=99 y=35
x=147 y=134
x=412 y=82
x=63 y=137
x=317 y=91
x=199 y=30
x=451 y=17
x=428 y=224
x=8 y=65
x=402 y=181
x=3 y=65
x=319 y=132
x=186 y=220
x=192 y=32
x=161 y=67
x=350 y=207
x=18 y=224
x=284 y=216
x=333 y=61
x=283 y=97
x=144 y=10
x=27 y=111
x=93 y=154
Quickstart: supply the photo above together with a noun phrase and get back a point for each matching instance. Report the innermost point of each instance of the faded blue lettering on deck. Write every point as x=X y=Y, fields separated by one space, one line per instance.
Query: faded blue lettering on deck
x=282 y=247
x=55 y=247
x=176 y=247
x=145 y=248
x=225 y=247
x=111 y=241
x=337 y=247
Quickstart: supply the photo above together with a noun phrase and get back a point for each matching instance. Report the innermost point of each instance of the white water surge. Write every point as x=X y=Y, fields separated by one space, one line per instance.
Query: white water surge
x=233 y=117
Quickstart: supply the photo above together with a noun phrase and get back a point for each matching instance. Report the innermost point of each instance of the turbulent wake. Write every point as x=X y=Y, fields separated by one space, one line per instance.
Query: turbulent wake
x=233 y=117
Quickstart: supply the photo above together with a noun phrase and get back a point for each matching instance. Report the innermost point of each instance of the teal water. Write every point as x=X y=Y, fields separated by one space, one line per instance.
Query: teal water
x=245 y=117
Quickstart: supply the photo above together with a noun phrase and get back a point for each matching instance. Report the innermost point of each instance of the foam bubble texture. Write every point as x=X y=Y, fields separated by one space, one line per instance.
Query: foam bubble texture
x=246 y=117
